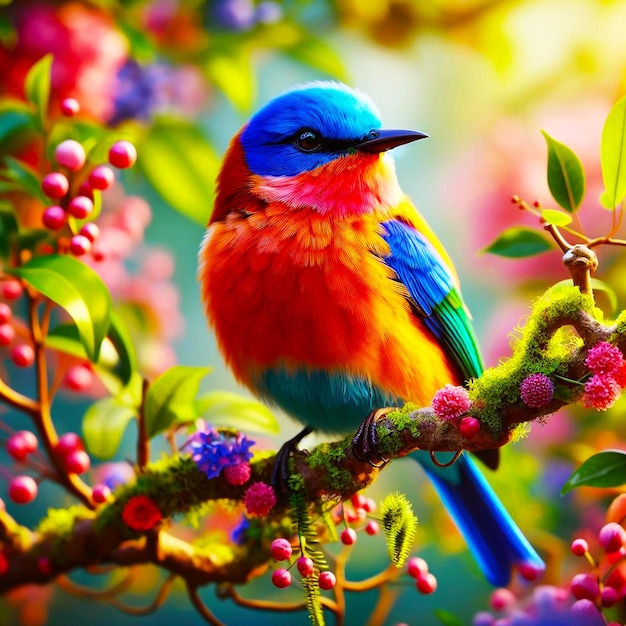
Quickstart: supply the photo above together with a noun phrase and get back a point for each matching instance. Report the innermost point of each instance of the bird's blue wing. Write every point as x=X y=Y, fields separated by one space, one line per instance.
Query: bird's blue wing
x=433 y=294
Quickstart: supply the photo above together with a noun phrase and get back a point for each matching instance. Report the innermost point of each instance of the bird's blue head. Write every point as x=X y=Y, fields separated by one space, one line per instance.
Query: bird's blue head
x=314 y=124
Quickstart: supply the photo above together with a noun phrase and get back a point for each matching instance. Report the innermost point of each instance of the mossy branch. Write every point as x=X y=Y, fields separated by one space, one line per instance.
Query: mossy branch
x=563 y=325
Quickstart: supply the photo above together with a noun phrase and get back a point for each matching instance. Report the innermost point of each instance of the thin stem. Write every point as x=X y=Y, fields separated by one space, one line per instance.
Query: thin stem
x=201 y=607
x=69 y=586
x=279 y=607
x=387 y=575
x=143 y=444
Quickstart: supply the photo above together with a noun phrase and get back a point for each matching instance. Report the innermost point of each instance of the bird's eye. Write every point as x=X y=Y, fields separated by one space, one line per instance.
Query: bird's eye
x=308 y=141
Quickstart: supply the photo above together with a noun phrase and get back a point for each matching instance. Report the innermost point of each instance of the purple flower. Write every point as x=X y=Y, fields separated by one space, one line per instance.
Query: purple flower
x=213 y=450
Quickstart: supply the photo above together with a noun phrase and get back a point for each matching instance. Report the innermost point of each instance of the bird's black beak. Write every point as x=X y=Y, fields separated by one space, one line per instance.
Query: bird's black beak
x=382 y=140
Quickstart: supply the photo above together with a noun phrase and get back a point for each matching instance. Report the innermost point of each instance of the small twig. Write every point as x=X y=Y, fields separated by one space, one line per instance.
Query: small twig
x=387 y=575
x=581 y=261
x=69 y=586
x=143 y=444
x=268 y=605
x=201 y=607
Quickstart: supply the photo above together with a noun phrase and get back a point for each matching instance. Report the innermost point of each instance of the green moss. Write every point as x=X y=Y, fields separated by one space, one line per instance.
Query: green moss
x=60 y=522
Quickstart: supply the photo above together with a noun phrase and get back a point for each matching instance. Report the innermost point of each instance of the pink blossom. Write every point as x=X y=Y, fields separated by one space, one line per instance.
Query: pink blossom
x=604 y=358
x=601 y=392
x=451 y=402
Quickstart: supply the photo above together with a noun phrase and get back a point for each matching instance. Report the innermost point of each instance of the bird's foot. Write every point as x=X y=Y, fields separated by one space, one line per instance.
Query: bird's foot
x=365 y=442
x=280 y=473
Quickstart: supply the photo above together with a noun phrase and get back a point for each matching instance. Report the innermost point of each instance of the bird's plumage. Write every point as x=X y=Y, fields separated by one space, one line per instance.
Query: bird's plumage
x=330 y=295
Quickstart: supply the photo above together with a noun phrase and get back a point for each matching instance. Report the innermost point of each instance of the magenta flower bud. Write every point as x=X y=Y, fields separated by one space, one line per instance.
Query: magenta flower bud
x=584 y=587
x=55 y=185
x=101 y=177
x=70 y=107
x=53 y=217
x=579 y=547
x=70 y=154
x=502 y=599
x=80 y=207
x=612 y=537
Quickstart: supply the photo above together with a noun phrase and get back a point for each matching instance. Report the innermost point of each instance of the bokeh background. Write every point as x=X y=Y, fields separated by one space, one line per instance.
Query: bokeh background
x=481 y=77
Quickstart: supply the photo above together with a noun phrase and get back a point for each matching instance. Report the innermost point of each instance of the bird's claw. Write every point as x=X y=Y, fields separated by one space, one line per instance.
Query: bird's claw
x=365 y=441
x=281 y=473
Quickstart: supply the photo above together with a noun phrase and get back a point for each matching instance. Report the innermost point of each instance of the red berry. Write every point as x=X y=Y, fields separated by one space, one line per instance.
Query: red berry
x=22 y=489
x=86 y=189
x=372 y=528
x=70 y=107
x=612 y=537
x=502 y=599
x=469 y=427
x=55 y=185
x=12 y=289
x=77 y=462
x=281 y=549
x=80 y=207
x=358 y=501
x=70 y=154
x=348 y=536
x=609 y=597
x=7 y=334
x=416 y=567
x=100 y=494
x=281 y=578
x=44 y=565
x=529 y=571
x=5 y=313
x=53 y=217
x=355 y=515
x=585 y=586
x=101 y=177
x=426 y=584
x=122 y=154
x=21 y=444
x=79 y=245
x=327 y=580
x=579 y=547
x=90 y=230
x=305 y=566
x=23 y=355
x=369 y=506
x=67 y=443
x=78 y=377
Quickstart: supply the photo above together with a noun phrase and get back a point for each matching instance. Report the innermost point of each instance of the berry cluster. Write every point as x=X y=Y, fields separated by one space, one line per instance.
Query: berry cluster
x=452 y=403
x=608 y=376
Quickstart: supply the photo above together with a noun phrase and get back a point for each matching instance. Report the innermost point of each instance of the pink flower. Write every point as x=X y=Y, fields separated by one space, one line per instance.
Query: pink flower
x=259 y=499
x=601 y=392
x=141 y=513
x=237 y=474
x=536 y=390
x=451 y=402
x=604 y=358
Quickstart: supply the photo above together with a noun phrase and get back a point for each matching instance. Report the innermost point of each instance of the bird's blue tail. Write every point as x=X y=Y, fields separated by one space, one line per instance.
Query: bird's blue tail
x=494 y=539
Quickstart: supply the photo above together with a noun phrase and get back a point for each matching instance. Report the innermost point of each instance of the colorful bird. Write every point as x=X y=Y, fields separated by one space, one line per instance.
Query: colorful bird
x=330 y=296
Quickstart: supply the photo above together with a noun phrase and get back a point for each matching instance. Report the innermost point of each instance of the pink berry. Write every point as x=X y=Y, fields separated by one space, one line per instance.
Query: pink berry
x=609 y=597
x=90 y=230
x=5 y=313
x=502 y=599
x=44 y=565
x=372 y=527
x=21 y=444
x=327 y=580
x=305 y=566
x=585 y=586
x=23 y=355
x=358 y=501
x=281 y=578
x=101 y=177
x=469 y=427
x=579 y=547
x=348 y=536
x=426 y=584
x=12 y=289
x=586 y=612
x=529 y=571
x=7 y=334
x=100 y=494
x=67 y=443
x=369 y=506
x=79 y=245
x=122 y=154
x=70 y=107
x=55 y=185
x=355 y=515
x=70 y=154
x=80 y=207
x=53 y=217
x=86 y=190
x=281 y=549
x=77 y=462
x=22 y=489
x=78 y=377
x=416 y=567
x=612 y=537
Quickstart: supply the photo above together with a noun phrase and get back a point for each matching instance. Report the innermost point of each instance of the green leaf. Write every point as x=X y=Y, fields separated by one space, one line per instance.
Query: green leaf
x=37 y=86
x=12 y=122
x=224 y=408
x=76 y=288
x=123 y=344
x=447 y=618
x=519 y=242
x=182 y=166
x=104 y=424
x=316 y=53
x=8 y=231
x=24 y=177
x=566 y=178
x=232 y=73
x=605 y=469
x=558 y=218
x=613 y=156
x=596 y=285
x=171 y=398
